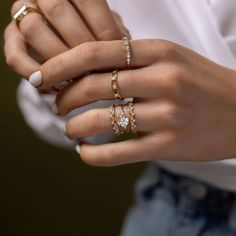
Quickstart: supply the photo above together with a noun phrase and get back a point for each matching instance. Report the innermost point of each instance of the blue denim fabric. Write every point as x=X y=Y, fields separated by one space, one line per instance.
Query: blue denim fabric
x=172 y=205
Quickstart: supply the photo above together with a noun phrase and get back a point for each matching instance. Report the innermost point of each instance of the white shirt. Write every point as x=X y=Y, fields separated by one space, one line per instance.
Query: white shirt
x=206 y=26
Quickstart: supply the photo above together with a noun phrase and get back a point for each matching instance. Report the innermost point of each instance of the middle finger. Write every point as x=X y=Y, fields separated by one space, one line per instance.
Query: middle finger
x=94 y=87
x=37 y=33
x=63 y=16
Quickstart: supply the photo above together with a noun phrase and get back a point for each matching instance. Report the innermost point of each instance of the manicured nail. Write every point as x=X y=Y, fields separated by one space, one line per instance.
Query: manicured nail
x=54 y=108
x=77 y=149
x=36 y=79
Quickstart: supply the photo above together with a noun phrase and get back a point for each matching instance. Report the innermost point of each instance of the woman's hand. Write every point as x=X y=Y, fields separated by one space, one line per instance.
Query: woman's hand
x=185 y=105
x=69 y=23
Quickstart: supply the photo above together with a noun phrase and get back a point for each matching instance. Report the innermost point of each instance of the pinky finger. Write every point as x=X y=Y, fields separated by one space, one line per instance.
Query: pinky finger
x=125 y=152
x=16 y=52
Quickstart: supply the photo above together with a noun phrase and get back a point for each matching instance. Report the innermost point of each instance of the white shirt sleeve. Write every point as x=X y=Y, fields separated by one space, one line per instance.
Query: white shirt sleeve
x=36 y=109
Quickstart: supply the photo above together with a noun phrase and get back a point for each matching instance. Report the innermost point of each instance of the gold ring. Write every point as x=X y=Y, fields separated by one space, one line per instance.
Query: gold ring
x=132 y=116
x=24 y=11
x=114 y=124
x=114 y=85
x=123 y=123
x=127 y=51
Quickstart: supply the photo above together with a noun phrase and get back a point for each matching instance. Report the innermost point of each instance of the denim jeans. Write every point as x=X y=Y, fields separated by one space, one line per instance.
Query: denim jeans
x=173 y=205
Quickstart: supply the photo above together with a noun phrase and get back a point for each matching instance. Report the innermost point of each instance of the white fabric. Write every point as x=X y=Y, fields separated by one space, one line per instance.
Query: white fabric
x=206 y=26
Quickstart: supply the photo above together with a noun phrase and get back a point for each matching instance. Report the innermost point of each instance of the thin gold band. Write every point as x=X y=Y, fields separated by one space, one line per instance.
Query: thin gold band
x=127 y=51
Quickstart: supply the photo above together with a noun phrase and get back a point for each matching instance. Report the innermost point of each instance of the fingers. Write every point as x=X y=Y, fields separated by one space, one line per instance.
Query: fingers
x=63 y=16
x=94 y=56
x=37 y=33
x=135 y=150
x=114 y=154
x=96 y=87
x=150 y=117
x=98 y=16
x=16 y=52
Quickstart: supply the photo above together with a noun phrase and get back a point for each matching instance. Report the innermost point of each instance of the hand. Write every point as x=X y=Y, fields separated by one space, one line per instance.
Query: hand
x=185 y=104
x=69 y=23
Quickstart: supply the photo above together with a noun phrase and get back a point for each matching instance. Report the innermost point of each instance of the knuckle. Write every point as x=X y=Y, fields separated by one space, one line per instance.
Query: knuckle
x=109 y=34
x=173 y=79
x=82 y=2
x=95 y=118
x=168 y=50
x=52 y=7
x=177 y=74
x=91 y=86
x=89 y=52
x=111 y=157
x=171 y=110
x=174 y=117
x=12 y=60
x=29 y=25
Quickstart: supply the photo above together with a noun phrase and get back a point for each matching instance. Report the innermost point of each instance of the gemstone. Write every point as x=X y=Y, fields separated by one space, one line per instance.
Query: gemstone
x=123 y=121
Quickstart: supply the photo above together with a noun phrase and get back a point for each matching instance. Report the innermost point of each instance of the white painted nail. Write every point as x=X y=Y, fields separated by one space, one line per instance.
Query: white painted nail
x=36 y=79
x=54 y=108
x=77 y=149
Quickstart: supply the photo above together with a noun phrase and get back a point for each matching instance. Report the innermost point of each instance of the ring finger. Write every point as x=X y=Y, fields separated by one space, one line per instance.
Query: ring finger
x=98 y=121
x=37 y=33
x=63 y=16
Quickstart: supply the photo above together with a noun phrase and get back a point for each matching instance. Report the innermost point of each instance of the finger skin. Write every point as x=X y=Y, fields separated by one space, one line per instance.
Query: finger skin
x=98 y=87
x=38 y=34
x=63 y=16
x=149 y=116
x=99 y=18
x=95 y=56
x=143 y=148
x=149 y=82
x=16 y=52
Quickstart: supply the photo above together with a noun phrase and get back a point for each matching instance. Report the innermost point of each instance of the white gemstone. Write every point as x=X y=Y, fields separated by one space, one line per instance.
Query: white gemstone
x=123 y=121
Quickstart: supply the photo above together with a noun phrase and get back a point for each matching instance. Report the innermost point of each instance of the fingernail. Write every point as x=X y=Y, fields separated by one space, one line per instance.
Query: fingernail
x=36 y=79
x=54 y=108
x=77 y=149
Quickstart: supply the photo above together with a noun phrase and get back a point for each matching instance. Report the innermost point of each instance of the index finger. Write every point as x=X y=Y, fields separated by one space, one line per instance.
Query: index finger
x=92 y=56
x=99 y=18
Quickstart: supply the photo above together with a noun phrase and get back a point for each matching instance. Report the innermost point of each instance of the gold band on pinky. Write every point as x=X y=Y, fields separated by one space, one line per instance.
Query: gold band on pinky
x=127 y=51
x=24 y=11
x=122 y=122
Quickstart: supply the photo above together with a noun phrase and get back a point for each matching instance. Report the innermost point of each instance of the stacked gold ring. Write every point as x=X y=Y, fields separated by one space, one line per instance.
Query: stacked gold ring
x=24 y=11
x=122 y=122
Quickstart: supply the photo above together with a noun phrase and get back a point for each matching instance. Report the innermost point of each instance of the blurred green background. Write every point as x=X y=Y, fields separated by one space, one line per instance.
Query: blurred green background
x=49 y=191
